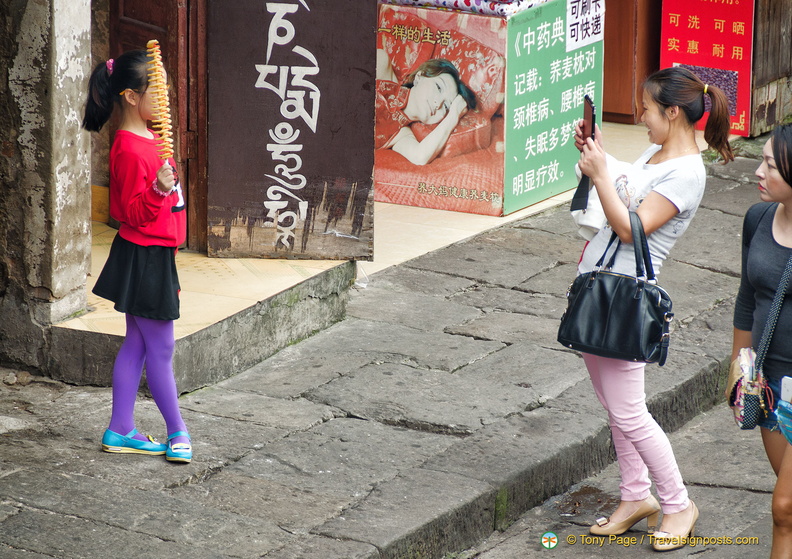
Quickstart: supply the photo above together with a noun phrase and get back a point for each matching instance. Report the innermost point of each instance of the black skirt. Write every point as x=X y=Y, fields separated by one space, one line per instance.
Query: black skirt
x=141 y=281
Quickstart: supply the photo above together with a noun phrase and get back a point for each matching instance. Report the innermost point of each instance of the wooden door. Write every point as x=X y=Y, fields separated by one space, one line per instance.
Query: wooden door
x=178 y=26
x=632 y=53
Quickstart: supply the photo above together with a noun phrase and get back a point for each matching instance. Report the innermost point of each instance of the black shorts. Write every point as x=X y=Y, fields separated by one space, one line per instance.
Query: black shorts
x=140 y=280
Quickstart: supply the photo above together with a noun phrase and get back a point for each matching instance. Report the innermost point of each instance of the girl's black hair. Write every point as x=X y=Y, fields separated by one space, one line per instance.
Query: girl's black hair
x=677 y=86
x=782 y=151
x=129 y=71
x=436 y=66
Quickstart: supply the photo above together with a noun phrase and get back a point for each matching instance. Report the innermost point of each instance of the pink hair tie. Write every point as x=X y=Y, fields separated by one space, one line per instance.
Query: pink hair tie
x=109 y=65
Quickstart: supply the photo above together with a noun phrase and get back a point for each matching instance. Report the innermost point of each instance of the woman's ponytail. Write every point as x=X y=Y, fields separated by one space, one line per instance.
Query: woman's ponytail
x=681 y=87
x=716 y=132
x=100 y=102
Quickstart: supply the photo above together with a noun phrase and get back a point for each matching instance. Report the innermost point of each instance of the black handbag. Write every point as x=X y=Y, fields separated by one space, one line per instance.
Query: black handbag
x=617 y=315
x=747 y=392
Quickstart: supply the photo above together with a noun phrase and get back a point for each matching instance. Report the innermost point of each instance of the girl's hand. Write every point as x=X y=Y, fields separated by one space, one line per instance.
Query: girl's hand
x=166 y=179
x=592 y=159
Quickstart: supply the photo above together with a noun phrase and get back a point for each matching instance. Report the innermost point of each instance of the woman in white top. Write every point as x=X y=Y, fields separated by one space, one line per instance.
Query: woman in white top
x=664 y=187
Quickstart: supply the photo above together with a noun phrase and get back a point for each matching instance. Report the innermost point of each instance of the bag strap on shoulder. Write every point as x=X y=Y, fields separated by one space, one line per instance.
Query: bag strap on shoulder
x=772 y=316
x=643 y=260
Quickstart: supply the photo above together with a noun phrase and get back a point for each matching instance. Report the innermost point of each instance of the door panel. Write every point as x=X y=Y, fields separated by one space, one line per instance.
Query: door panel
x=291 y=114
x=132 y=24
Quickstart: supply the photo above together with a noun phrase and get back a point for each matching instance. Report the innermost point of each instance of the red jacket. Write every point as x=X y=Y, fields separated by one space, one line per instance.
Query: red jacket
x=146 y=217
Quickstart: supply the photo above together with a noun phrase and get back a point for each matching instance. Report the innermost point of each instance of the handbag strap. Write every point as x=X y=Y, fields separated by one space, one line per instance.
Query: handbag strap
x=772 y=316
x=643 y=260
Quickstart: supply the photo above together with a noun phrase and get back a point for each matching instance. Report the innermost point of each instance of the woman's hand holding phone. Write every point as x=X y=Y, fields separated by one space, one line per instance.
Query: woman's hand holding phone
x=580 y=137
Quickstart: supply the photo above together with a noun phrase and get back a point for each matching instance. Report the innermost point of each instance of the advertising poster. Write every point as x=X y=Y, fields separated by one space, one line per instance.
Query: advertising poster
x=432 y=148
x=714 y=40
x=290 y=133
x=555 y=59
x=513 y=148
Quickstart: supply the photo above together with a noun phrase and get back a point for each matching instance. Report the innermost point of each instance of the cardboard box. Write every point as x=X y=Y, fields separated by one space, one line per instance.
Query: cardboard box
x=529 y=73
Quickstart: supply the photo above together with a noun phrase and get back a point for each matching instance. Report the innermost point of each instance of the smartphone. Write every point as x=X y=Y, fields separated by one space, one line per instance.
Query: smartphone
x=589 y=117
x=786 y=389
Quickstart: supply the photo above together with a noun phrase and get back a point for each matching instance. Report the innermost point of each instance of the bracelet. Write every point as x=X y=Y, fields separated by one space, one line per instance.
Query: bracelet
x=158 y=191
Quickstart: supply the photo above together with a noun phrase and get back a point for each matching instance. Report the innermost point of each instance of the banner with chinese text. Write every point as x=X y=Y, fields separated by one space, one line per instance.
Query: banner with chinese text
x=511 y=148
x=555 y=59
x=714 y=40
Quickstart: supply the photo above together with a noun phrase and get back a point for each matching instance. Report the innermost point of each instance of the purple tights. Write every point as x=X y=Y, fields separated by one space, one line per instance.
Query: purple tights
x=151 y=342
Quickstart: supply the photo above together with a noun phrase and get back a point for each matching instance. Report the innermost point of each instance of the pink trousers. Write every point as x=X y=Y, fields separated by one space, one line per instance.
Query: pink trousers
x=642 y=448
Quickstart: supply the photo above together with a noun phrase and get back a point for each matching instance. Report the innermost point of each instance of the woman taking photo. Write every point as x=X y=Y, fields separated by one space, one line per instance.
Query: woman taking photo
x=664 y=187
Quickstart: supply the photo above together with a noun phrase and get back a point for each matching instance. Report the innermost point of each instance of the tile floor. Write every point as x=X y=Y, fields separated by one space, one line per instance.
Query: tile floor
x=214 y=288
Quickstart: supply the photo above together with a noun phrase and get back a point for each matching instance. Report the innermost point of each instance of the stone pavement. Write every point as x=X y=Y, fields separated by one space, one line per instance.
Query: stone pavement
x=442 y=408
x=727 y=475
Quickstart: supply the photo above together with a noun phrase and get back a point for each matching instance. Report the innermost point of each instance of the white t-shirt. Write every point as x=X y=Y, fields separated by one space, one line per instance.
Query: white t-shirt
x=681 y=180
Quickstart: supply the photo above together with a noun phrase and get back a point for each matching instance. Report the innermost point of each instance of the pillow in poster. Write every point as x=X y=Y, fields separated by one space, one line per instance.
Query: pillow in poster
x=473 y=132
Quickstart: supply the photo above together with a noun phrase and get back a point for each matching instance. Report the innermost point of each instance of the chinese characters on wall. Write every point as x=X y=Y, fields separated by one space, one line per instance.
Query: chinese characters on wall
x=713 y=39
x=530 y=72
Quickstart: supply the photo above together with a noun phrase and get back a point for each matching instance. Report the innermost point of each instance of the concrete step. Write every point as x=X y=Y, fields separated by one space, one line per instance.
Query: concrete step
x=220 y=350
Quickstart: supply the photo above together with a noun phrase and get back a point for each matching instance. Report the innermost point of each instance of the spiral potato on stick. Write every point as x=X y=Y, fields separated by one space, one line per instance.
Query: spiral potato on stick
x=162 y=119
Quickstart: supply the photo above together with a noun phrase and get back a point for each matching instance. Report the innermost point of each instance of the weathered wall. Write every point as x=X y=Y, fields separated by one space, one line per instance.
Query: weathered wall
x=100 y=52
x=45 y=239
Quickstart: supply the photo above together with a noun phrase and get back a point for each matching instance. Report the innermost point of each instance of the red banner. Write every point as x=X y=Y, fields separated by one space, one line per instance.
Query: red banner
x=713 y=39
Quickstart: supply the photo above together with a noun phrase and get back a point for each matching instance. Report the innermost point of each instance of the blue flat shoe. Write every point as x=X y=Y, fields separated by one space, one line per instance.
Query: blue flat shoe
x=178 y=452
x=125 y=444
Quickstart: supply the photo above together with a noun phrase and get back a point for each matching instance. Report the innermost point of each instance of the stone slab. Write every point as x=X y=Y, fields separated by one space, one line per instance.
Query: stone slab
x=300 y=367
x=554 y=281
x=485 y=264
x=737 y=456
x=510 y=328
x=489 y=299
x=419 y=514
x=342 y=458
x=547 y=450
x=57 y=535
x=287 y=415
x=319 y=547
x=408 y=280
x=399 y=344
x=292 y=509
x=550 y=247
x=729 y=193
x=568 y=516
x=685 y=386
x=425 y=400
x=546 y=373
x=692 y=289
x=712 y=242
x=144 y=513
x=413 y=310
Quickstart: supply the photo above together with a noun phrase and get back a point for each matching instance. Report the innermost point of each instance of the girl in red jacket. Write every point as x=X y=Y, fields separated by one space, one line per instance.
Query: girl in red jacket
x=140 y=273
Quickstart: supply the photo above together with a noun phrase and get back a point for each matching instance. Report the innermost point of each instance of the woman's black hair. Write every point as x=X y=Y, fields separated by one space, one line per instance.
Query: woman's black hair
x=677 y=86
x=129 y=71
x=782 y=151
x=436 y=66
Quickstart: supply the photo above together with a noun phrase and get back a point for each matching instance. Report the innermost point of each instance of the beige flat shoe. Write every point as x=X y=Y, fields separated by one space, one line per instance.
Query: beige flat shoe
x=663 y=541
x=649 y=509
